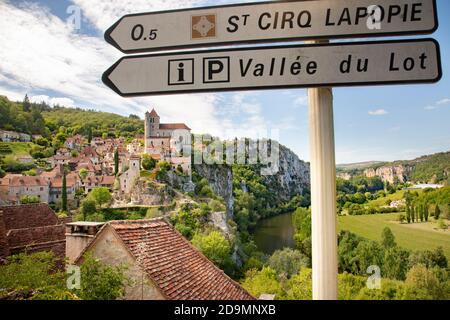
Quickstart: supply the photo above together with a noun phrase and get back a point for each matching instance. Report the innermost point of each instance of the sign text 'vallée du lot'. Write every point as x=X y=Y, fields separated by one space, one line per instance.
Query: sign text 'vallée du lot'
x=275 y=21
x=289 y=66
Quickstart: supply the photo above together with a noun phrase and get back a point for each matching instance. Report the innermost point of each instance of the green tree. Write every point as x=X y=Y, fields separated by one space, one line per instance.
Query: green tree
x=148 y=163
x=395 y=263
x=412 y=214
x=87 y=208
x=116 y=162
x=422 y=284
x=26 y=104
x=302 y=225
x=300 y=286
x=64 y=193
x=288 y=262
x=101 y=196
x=408 y=213
x=437 y=212
x=388 y=238
x=368 y=253
x=425 y=212
x=30 y=271
x=215 y=247
x=100 y=281
x=29 y=199
x=89 y=135
x=263 y=282
x=83 y=173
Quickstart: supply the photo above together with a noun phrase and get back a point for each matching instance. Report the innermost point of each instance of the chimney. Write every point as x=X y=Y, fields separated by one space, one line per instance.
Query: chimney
x=4 y=246
x=78 y=236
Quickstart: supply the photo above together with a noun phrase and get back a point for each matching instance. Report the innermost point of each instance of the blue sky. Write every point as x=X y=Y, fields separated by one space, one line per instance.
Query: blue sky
x=45 y=56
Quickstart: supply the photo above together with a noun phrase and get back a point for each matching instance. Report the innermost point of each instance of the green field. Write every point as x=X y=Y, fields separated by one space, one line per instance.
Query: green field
x=18 y=149
x=395 y=196
x=414 y=236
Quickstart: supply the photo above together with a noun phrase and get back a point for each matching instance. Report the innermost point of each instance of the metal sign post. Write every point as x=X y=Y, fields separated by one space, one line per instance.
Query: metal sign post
x=323 y=194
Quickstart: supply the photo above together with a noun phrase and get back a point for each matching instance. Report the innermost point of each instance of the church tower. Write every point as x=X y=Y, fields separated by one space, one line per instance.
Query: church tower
x=151 y=127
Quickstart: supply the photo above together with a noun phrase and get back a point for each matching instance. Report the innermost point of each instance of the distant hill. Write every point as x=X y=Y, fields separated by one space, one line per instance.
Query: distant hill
x=358 y=165
x=434 y=168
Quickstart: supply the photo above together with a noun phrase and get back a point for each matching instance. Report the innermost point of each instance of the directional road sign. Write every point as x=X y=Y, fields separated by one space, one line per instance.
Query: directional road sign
x=275 y=21
x=291 y=66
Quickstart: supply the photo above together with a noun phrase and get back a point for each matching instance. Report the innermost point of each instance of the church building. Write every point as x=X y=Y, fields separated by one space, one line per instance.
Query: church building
x=167 y=141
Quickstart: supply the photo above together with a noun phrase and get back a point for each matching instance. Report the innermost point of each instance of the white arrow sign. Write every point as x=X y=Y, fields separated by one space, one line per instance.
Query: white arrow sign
x=292 y=66
x=271 y=22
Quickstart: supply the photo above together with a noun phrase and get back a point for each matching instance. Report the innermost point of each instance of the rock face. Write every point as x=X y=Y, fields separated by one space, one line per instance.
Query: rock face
x=390 y=173
x=145 y=193
x=292 y=178
x=220 y=178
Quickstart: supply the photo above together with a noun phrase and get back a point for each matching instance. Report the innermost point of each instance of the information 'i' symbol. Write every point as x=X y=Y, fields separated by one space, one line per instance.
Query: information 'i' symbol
x=181 y=71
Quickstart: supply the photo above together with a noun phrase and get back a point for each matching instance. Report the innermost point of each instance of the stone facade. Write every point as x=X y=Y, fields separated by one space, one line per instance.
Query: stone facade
x=128 y=178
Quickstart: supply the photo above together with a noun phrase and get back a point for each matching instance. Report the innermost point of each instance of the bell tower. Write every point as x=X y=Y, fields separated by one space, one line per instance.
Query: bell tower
x=151 y=126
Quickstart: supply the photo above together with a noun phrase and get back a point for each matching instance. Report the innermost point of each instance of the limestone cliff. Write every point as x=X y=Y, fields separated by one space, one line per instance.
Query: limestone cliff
x=220 y=178
x=390 y=173
x=292 y=178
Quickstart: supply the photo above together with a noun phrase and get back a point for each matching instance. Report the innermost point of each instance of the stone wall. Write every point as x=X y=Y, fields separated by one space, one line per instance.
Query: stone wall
x=4 y=248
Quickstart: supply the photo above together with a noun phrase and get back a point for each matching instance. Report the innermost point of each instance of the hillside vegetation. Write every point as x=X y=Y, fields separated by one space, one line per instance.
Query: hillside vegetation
x=40 y=118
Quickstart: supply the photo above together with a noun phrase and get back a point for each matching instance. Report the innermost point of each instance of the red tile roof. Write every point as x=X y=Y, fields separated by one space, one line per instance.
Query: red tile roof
x=173 y=126
x=179 y=270
x=28 y=216
x=153 y=113
x=27 y=181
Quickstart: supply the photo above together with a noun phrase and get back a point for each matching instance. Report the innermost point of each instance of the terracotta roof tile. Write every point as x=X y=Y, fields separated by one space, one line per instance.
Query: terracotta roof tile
x=176 y=267
x=173 y=126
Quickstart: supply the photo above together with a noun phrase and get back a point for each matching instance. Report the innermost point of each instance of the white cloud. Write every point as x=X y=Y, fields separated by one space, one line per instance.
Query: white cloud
x=443 y=101
x=438 y=104
x=106 y=12
x=66 y=102
x=378 y=112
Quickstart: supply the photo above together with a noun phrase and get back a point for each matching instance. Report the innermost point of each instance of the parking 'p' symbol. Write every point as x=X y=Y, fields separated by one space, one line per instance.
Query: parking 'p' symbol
x=216 y=69
x=181 y=72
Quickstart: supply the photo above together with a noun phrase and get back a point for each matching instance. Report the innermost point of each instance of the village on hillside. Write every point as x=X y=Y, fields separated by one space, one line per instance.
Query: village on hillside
x=110 y=163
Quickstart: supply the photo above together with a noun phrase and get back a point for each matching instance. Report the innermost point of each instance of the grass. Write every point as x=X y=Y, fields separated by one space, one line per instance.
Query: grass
x=415 y=236
x=18 y=149
x=395 y=196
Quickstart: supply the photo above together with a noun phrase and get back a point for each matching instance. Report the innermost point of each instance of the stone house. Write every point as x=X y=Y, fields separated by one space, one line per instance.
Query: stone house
x=161 y=263
x=91 y=182
x=9 y=136
x=56 y=188
x=19 y=186
x=128 y=178
x=91 y=154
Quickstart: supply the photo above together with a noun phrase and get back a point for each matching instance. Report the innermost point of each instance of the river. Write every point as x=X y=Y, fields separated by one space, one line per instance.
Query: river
x=274 y=233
